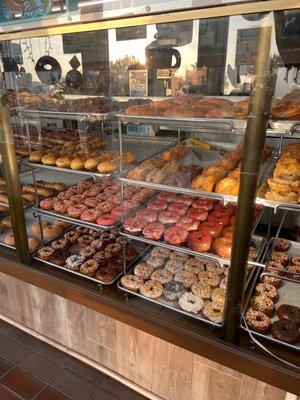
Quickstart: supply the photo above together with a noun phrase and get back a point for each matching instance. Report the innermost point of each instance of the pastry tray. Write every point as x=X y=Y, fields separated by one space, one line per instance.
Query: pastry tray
x=84 y=116
x=172 y=305
x=289 y=293
x=289 y=127
x=142 y=147
x=74 y=250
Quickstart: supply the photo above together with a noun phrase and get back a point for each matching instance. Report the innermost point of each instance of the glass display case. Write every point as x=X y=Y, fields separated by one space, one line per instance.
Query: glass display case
x=160 y=158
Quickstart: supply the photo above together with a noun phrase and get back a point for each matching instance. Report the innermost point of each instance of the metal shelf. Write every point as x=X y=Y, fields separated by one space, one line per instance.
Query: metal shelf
x=84 y=116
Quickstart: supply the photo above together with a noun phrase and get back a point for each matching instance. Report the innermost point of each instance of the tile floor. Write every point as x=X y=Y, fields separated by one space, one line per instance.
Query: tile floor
x=33 y=370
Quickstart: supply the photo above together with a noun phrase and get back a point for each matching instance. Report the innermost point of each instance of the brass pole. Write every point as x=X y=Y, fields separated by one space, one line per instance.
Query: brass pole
x=255 y=135
x=11 y=175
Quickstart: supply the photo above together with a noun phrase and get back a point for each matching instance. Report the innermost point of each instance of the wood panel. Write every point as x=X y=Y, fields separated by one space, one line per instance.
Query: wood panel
x=163 y=368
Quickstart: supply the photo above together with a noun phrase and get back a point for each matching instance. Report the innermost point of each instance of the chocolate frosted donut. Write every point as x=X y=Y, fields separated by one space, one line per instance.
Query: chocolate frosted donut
x=258 y=321
x=282 y=245
x=106 y=274
x=285 y=331
x=101 y=257
x=280 y=257
x=289 y=313
x=262 y=303
x=89 y=267
x=173 y=290
x=267 y=290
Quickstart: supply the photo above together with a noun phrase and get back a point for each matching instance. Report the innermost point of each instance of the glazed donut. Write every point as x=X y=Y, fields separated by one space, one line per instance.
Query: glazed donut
x=185 y=277
x=228 y=209
x=194 y=265
x=131 y=282
x=173 y=290
x=106 y=274
x=60 y=244
x=47 y=204
x=147 y=215
x=285 y=331
x=36 y=227
x=267 y=290
x=73 y=262
x=176 y=236
x=222 y=246
x=188 y=223
x=210 y=278
x=143 y=270
x=157 y=205
x=52 y=231
x=162 y=275
x=153 y=231
x=45 y=253
x=89 y=267
x=213 y=310
x=263 y=304
x=179 y=208
x=203 y=204
x=282 y=245
x=9 y=240
x=201 y=289
x=61 y=223
x=214 y=229
x=218 y=216
x=191 y=303
x=199 y=242
x=258 y=321
x=197 y=213
x=167 y=217
x=106 y=167
x=151 y=289
x=155 y=261
x=106 y=220
x=289 y=313
x=174 y=266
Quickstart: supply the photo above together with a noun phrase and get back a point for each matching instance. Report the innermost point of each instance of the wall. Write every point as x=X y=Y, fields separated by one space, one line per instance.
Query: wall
x=164 y=369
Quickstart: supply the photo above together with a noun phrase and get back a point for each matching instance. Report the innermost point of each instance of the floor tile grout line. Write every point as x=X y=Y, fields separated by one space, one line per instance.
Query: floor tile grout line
x=11 y=391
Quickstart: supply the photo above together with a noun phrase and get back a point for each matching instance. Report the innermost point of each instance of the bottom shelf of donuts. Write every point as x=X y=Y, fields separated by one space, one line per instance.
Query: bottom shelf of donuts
x=93 y=254
x=191 y=285
x=50 y=231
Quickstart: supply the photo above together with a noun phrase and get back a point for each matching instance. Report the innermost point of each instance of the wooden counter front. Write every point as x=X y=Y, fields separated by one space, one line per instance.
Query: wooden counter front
x=155 y=349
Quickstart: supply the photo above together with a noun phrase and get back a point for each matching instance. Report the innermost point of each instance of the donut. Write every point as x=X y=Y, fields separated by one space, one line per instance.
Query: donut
x=220 y=217
x=155 y=261
x=72 y=237
x=258 y=321
x=147 y=215
x=114 y=248
x=173 y=290
x=167 y=196
x=160 y=252
x=76 y=211
x=194 y=265
x=178 y=255
x=188 y=223
x=199 y=242
x=89 y=215
x=131 y=282
x=293 y=272
x=89 y=267
x=143 y=270
x=36 y=227
x=187 y=278
x=96 y=233
x=117 y=263
x=275 y=268
x=262 y=303
x=232 y=221
x=61 y=206
x=197 y=213
x=153 y=231
x=106 y=274
x=223 y=283
x=45 y=253
x=106 y=220
x=101 y=258
x=6 y=222
x=295 y=260
x=97 y=244
x=61 y=223
x=213 y=310
x=267 y=290
x=272 y=280
x=73 y=262
x=60 y=244
x=282 y=245
x=222 y=246
x=87 y=252
x=210 y=278
x=191 y=303
x=84 y=241
x=214 y=229
x=174 y=266
x=167 y=217
x=185 y=199
x=278 y=256
x=58 y=259
x=289 y=313
x=47 y=204
x=91 y=202
x=157 y=205
x=151 y=289
x=105 y=207
x=176 y=236
x=228 y=209
x=52 y=231
x=214 y=266
x=33 y=243
x=134 y=225
x=203 y=204
x=285 y=331
x=201 y=289
x=162 y=275
x=179 y=208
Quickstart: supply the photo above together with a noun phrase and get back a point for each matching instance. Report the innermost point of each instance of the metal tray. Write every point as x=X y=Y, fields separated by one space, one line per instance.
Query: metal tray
x=171 y=305
x=289 y=293
x=289 y=127
x=74 y=250
x=90 y=117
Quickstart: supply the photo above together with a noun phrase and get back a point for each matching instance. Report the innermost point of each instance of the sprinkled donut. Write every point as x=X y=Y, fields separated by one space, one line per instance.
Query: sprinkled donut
x=191 y=303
